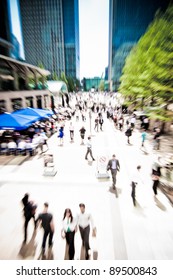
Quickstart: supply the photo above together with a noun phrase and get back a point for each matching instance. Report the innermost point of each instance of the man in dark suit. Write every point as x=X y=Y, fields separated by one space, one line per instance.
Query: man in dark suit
x=114 y=166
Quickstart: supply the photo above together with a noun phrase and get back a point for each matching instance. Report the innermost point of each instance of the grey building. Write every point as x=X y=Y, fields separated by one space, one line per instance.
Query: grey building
x=51 y=34
x=128 y=21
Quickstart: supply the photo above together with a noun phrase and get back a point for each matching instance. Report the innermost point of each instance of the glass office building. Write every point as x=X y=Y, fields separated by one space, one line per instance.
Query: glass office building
x=128 y=21
x=11 y=42
x=51 y=34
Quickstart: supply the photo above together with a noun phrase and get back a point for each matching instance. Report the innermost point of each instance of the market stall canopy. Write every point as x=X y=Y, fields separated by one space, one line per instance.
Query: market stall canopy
x=40 y=113
x=16 y=122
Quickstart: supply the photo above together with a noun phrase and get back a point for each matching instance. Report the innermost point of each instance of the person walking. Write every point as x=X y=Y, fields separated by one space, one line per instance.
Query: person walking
x=114 y=166
x=82 y=134
x=71 y=129
x=143 y=137
x=69 y=228
x=96 y=127
x=135 y=181
x=47 y=223
x=128 y=133
x=61 y=135
x=156 y=173
x=84 y=220
x=29 y=210
x=89 y=149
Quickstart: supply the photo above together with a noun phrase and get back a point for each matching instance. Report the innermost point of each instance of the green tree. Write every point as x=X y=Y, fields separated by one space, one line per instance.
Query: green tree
x=147 y=78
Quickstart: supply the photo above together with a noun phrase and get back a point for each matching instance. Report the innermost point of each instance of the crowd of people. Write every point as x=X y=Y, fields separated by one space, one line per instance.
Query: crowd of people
x=69 y=227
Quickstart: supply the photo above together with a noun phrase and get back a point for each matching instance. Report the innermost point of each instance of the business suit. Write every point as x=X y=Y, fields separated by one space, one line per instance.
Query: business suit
x=114 y=166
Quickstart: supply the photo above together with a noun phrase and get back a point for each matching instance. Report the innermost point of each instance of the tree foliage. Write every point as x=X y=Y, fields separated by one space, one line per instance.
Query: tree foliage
x=147 y=78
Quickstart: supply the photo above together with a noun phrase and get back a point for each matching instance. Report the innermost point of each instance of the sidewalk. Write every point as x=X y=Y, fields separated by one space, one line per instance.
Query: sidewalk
x=123 y=232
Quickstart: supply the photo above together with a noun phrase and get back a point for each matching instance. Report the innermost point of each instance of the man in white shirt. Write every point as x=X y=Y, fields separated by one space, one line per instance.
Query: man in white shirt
x=89 y=149
x=84 y=220
x=136 y=179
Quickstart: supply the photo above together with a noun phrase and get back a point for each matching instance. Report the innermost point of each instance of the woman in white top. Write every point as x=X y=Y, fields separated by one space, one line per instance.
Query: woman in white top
x=68 y=231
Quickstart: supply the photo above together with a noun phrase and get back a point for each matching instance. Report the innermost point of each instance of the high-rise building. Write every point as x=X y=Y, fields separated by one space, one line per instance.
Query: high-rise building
x=11 y=42
x=128 y=21
x=51 y=34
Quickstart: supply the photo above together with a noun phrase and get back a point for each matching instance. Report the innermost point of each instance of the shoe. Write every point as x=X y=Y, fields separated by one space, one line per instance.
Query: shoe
x=86 y=158
x=93 y=159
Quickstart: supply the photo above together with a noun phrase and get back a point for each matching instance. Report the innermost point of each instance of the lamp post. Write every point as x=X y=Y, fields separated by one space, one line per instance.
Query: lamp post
x=90 y=117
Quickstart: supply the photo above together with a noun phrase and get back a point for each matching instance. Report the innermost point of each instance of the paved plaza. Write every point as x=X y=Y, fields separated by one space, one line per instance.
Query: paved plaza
x=124 y=232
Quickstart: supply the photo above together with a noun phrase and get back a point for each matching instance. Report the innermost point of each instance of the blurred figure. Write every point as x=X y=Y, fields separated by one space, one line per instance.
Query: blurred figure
x=47 y=223
x=82 y=134
x=114 y=166
x=135 y=181
x=29 y=210
x=61 y=135
x=69 y=228
x=89 y=149
x=84 y=221
x=156 y=173
x=128 y=133
x=71 y=129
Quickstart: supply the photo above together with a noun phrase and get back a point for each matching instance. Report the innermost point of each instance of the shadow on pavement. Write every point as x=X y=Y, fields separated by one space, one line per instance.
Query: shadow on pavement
x=116 y=191
x=48 y=256
x=28 y=249
x=159 y=204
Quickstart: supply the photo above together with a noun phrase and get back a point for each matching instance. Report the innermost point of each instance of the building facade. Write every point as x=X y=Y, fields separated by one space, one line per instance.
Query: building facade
x=128 y=21
x=51 y=34
x=15 y=92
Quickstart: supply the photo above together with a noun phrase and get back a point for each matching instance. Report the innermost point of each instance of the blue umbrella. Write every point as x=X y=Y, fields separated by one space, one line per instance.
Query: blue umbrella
x=15 y=121
x=42 y=114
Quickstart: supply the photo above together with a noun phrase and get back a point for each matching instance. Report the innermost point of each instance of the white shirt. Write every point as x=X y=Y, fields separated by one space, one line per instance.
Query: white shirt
x=89 y=144
x=12 y=145
x=85 y=219
x=67 y=224
x=22 y=145
x=71 y=127
x=114 y=164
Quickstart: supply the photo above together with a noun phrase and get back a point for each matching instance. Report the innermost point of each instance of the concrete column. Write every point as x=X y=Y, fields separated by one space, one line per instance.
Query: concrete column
x=36 y=80
x=16 y=80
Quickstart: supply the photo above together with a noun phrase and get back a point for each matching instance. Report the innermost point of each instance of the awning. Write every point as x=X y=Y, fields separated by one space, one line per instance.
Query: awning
x=12 y=63
x=40 y=113
x=16 y=122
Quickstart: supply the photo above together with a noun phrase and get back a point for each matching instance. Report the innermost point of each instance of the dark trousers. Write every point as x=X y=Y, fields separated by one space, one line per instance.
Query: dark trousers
x=27 y=219
x=89 y=151
x=70 y=241
x=155 y=186
x=84 y=232
x=114 y=176
x=45 y=235
x=133 y=193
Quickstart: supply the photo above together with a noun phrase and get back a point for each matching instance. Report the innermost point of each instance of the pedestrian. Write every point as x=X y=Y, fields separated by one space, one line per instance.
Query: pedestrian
x=128 y=133
x=89 y=149
x=143 y=136
x=69 y=228
x=71 y=129
x=96 y=127
x=133 y=121
x=135 y=181
x=61 y=135
x=101 y=121
x=84 y=220
x=156 y=173
x=156 y=139
x=82 y=134
x=47 y=223
x=29 y=210
x=114 y=166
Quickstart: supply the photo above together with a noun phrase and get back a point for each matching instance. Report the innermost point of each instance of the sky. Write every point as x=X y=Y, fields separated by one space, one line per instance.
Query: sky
x=93 y=33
